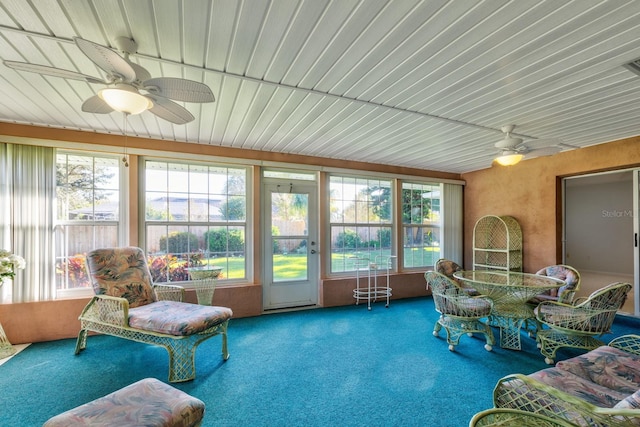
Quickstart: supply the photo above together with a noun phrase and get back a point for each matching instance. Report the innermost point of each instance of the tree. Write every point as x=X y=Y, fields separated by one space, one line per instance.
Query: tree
x=234 y=209
x=381 y=201
x=415 y=209
x=76 y=182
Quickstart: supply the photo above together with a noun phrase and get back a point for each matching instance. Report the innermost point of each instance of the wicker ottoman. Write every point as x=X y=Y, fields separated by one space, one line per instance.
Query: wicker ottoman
x=148 y=402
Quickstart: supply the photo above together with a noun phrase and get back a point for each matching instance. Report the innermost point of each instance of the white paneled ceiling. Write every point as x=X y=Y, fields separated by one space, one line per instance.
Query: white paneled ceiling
x=422 y=84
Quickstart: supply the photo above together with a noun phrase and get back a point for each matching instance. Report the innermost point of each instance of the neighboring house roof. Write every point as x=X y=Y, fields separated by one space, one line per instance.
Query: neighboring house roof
x=200 y=209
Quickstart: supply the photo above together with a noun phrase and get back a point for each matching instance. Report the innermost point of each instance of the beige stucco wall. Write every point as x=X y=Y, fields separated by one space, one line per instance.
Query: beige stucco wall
x=530 y=192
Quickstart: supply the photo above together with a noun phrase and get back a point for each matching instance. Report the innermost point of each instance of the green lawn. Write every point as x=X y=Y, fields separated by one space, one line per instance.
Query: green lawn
x=293 y=266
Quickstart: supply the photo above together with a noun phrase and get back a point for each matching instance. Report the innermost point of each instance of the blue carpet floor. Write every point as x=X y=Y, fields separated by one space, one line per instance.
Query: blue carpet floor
x=342 y=366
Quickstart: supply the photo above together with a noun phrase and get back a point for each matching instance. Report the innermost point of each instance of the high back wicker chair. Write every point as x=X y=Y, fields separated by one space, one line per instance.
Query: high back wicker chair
x=577 y=325
x=128 y=305
x=565 y=293
x=504 y=417
x=460 y=313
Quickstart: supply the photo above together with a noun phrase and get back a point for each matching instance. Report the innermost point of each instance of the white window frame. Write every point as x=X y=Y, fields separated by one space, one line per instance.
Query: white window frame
x=248 y=229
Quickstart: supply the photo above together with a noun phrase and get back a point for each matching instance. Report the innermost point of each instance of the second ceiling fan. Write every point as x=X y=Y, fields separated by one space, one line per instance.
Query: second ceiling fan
x=512 y=149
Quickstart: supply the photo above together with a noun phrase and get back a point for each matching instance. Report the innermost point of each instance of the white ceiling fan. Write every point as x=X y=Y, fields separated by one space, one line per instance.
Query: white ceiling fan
x=513 y=149
x=129 y=87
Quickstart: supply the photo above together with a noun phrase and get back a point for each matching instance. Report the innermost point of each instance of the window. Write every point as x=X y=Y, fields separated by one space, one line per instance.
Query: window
x=361 y=220
x=195 y=216
x=87 y=212
x=421 y=224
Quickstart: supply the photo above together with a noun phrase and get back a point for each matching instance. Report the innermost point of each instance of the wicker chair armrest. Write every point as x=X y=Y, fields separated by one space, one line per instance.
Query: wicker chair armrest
x=107 y=309
x=579 y=300
x=169 y=292
x=629 y=343
x=567 y=297
x=574 y=317
x=522 y=392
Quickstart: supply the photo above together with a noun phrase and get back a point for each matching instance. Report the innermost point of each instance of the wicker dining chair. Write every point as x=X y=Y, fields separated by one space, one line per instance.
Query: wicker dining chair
x=460 y=313
x=565 y=293
x=577 y=325
x=504 y=417
x=448 y=268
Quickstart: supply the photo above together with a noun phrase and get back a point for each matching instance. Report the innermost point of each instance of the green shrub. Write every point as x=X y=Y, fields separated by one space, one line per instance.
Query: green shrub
x=223 y=241
x=179 y=242
x=349 y=240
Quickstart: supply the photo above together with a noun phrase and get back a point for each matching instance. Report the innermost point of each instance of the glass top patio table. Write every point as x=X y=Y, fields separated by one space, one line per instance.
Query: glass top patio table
x=507 y=287
x=509 y=291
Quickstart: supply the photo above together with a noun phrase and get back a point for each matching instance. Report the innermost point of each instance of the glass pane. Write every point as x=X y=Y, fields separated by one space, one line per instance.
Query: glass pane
x=235 y=209
x=178 y=207
x=178 y=177
x=73 y=242
x=302 y=176
x=198 y=207
x=289 y=213
x=107 y=206
x=290 y=262
x=421 y=246
x=156 y=176
x=198 y=179
x=156 y=207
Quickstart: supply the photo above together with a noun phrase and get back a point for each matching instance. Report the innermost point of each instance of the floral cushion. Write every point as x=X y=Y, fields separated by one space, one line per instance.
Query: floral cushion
x=559 y=272
x=121 y=272
x=177 y=318
x=579 y=387
x=607 y=366
x=447 y=267
x=630 y=402
x=148 y=402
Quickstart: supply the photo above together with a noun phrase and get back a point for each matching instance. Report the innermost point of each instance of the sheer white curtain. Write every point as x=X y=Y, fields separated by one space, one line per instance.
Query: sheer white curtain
x=27 y=198
x=452 y=222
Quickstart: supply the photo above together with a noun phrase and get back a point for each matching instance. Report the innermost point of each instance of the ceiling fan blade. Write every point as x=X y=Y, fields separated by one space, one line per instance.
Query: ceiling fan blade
x=141 y=73
x=53 y=72
x=170 y=111
x=541 y=152
x=179 y=89
x=96 y=105
x=107 y=59
x=535 y=144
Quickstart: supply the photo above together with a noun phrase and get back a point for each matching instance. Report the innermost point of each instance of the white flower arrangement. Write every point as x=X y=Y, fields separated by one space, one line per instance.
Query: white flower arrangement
x=9 y=263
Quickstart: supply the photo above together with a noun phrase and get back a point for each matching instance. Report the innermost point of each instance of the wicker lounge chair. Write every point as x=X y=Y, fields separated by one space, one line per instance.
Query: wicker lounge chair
x=128 y=305
x=577 y=325
x=459 y=313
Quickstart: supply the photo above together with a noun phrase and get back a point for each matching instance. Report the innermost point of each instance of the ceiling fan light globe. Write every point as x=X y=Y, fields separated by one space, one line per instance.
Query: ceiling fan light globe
x=509 y=159
x=125 y=99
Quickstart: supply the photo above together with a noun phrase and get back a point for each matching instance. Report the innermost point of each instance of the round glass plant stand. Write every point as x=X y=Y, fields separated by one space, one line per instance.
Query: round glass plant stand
x=205 y=279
